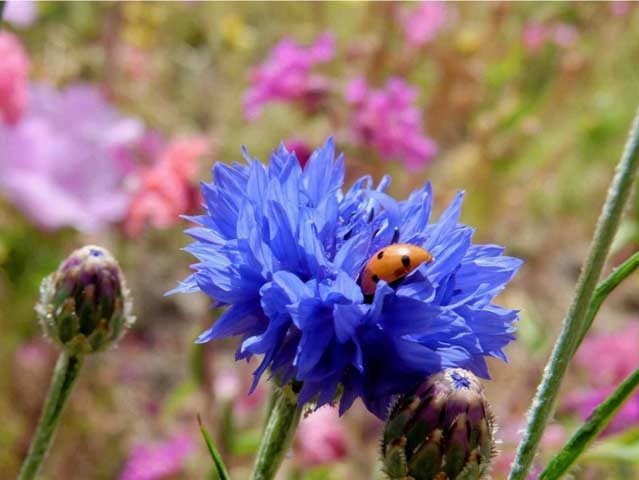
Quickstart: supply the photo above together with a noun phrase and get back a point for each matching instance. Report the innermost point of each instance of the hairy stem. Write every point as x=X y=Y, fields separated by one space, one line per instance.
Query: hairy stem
x=589 y=431
x=64 y=377
x=573 y=325
x=280 y=427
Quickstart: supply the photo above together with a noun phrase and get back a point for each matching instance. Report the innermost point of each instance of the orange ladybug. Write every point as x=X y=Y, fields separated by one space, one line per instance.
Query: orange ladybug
x=392 y=263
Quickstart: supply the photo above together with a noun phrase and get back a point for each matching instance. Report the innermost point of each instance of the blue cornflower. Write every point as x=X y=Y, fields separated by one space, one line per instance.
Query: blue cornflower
x=283 y=248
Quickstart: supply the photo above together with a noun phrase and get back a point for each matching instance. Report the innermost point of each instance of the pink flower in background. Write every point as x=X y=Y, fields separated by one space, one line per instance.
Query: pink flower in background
x=59 y=164
x=167 y=190
x=230 y=387
x=565 y=35
x=619 y=8
x=509 y=435
x=14 y=68
x=21 y=13
x=388 y=120
x=321 y=438
x=155 y=461
x=422 y=23
x=301 y=149
x=286 y=75
x=584 y=403
x=608 y=358
x=145 y=151
x=536 y=35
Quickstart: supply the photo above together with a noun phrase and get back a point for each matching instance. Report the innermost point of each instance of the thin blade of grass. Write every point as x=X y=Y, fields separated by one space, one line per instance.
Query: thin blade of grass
x=217 y=459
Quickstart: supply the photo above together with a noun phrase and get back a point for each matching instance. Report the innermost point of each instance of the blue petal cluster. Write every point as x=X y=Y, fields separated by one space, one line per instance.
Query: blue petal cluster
x=283 y=248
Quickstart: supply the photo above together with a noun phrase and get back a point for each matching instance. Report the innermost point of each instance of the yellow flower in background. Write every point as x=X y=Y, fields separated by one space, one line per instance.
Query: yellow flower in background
x=236 y=33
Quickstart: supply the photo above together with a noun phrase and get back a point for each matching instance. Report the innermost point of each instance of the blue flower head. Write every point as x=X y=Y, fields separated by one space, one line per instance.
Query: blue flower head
x=282 y=248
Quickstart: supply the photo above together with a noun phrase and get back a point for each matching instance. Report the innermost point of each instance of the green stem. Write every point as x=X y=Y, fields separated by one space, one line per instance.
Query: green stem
x=572 y=328
x=2 y=4
x=281 y=425
x=64 y=376
x=604 y=289
x=272 y=399
x=589 y=431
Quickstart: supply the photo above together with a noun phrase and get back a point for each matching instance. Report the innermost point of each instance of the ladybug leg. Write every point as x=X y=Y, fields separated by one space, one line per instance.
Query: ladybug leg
x=397 y=282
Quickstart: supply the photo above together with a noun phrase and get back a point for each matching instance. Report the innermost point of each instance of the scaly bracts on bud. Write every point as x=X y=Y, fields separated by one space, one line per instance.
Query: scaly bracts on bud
x=84 y=306
x=443 y=431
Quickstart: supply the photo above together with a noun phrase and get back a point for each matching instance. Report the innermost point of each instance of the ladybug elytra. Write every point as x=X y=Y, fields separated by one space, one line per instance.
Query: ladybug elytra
x=392 y=263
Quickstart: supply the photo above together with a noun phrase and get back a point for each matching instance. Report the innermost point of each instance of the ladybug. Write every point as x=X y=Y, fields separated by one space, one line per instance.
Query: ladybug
x=392 y=263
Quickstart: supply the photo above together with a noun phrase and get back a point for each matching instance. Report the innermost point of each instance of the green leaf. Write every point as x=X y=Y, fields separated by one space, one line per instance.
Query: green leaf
x=620 y=448
x=217 y=459
x=591 y=429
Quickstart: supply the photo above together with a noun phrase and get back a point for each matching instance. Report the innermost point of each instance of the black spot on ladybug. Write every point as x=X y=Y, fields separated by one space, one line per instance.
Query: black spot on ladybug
x=406 y=260
x=375 y=278
x=380 y=255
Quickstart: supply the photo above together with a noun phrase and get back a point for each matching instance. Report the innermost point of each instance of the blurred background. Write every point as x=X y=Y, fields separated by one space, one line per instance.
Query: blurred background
x=111 y=113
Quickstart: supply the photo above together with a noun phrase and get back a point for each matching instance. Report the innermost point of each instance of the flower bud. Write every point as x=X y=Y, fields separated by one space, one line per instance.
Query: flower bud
x=443 y=431
x=85 y=305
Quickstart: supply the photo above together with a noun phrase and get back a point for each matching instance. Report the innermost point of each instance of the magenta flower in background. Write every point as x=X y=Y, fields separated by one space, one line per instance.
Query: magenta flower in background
x=300 y=148
x=286 y=75
x=321 y=438
x=608 y=358
x=167 y=189
x=20 y=13
x=14 y=68
x=59 y=164
x=388 y=120
x=584 y=403
x=156 y=461
x=423 y=23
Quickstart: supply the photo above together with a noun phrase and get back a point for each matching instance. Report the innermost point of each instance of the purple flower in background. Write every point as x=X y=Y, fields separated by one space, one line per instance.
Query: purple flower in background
x=14 y=68
x=21 y=13
x=286 y=75
x=608 y=358
x=424 y=22
x=60 y=166
x=387 y=120
x=156 y=461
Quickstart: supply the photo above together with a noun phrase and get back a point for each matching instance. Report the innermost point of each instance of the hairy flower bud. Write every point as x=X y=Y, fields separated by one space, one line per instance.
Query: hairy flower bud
x=85 y=306
x=443 y=431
